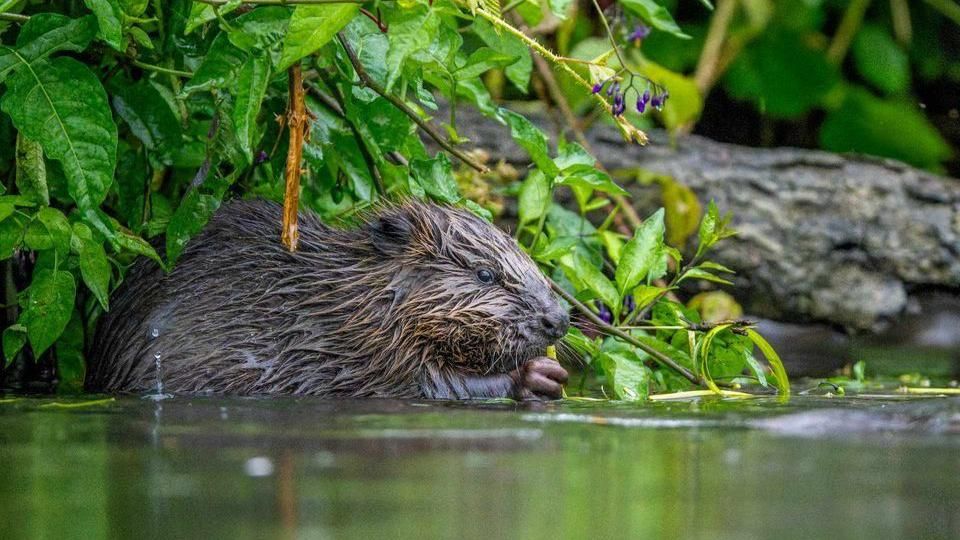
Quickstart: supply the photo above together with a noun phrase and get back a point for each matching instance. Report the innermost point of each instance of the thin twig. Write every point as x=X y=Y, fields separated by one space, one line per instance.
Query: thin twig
x=707 y=66
x=406 y=109
x=14 y=17
x=616 y=332
x=161 y=69
x=297 y=124
x=852 y=18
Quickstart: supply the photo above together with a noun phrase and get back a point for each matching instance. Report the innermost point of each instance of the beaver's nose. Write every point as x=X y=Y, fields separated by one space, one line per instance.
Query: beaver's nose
x=555 y=323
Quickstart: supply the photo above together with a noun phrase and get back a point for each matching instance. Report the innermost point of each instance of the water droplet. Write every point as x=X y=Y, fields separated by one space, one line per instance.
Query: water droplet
x=258 y=467
x=155 y=332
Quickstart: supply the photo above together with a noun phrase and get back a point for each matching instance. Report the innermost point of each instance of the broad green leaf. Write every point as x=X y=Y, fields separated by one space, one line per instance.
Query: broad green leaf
x=642 y=254
x=588 y=176
x=482 y=60
x=436 y=177
x=150 y=118
x=880 y=60
x=49 y=305
x=61 y=104
x=655 y=15
x=201 y=14
x=699 y=273
x=644 y=295
x=779 y=373
x=411 y=30
x=94 y=266
x=555 y=248
x=109 y=20
x=534 y=198
x=683 y=210
x=250 y=87
x=531 y=139
x=70 y=363
x=702 y=354
x=11 y=235
x=628 y=377
x=188 y=220
x=583 y=271
x=889 y=128
x=49 y=230
x=312 y=27
x=560 y=7
x=517 y=72
x=43 y=35
x=782 y=75
x=14 y=338
x=31 y=179
x=134 y=244
x=713 y=228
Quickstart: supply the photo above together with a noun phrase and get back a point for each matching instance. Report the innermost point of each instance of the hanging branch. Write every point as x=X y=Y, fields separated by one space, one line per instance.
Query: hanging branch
x=400 y=104
x=297 y=117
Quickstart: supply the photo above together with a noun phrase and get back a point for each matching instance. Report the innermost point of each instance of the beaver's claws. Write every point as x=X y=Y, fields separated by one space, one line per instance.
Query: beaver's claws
x=540 y=378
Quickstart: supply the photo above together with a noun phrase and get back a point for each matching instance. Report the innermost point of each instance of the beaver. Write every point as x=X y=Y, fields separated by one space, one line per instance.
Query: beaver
x=420 y=301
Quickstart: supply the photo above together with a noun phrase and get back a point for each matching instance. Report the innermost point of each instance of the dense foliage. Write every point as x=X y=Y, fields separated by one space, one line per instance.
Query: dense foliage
x=125 y=121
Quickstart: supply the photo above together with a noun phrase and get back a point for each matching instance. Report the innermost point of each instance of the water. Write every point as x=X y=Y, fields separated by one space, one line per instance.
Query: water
x=880 y=467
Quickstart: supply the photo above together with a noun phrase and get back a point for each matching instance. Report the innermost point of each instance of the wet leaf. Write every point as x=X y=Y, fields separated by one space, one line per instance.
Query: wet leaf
x=43 y=35
x=49 y=305
x=250 y=87
x=94 y=266
x=534 y=198
x=643 y=254
x=31 y=179
x=109 y=20
x=188 y=220
x=531 y=139
x=655 y=15
x=312 y=27
x=436 y=177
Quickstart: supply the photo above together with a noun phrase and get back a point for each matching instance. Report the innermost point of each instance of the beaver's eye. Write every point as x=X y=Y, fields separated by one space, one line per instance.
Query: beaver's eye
x=486 y=275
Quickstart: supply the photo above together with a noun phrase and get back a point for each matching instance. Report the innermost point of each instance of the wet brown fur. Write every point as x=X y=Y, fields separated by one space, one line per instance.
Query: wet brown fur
x=393 y=308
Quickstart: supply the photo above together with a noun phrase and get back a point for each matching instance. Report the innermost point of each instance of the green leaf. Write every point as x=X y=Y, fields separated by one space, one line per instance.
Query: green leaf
x=531 y=139
x=49 y=230
x=94 y=266
x=880 y=60
x=14 y=338
x=776 y=364
x=627 y=375
x=31 y=179
x=643 y=254
x=482 y=60
x=889 y=128
x=11 y=235
x=43 y=35
x=699 y=273
x=644 y=295
x=559 y=7
x=188 y=220
x=150 y=118
x=713 y=228
x=109 y=20
x=683 y=210
x=70 y=363
x=49 y=305
x=312 y=27
x=436 y=177
x=534 y=198
x=588 y=176
x=782 y=75
x=61 y=104
x=250 y=88
x=517 y=72
x=201 y=14
x=411 y=30
x=584 y=272
x=655 y=15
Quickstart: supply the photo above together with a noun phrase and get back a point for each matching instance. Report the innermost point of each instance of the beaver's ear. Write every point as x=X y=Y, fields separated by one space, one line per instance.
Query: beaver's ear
x=391 y=232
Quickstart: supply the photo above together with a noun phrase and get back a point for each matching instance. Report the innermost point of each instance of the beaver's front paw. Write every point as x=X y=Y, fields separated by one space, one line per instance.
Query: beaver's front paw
x=540 y=378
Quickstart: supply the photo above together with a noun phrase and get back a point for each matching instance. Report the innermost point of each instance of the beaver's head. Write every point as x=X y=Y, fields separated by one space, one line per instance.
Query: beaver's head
x=464 y=288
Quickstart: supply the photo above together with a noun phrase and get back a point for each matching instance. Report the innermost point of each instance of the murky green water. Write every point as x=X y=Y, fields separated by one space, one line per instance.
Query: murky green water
x=283 y=468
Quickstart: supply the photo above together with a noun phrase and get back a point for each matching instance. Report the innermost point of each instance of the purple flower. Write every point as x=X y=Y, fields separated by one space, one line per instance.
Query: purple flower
x=604 y=313
x=618 y=105
x=640 y=32
x=614 y=88
x=642 y=101
x=598 y=87
x=629 y=304
x=656 y=102
x=261 y=157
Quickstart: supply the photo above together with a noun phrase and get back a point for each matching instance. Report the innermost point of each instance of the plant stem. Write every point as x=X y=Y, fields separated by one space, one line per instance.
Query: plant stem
x=606 y=28
x=160 y=69
x=297 y=125
x=406 y=109
x=707 y=66
x=948 y=9
x=15 y=17
x=852 y=18
x=616 y=332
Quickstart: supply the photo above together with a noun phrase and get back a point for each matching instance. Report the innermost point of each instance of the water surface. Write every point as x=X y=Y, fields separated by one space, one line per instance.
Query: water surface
x=816 y=467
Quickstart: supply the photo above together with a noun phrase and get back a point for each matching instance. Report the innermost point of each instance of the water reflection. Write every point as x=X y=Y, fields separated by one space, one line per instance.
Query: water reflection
x=313 y=469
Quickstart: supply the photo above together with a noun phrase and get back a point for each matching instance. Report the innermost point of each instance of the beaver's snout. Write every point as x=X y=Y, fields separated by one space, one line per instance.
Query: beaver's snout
x=554 y=324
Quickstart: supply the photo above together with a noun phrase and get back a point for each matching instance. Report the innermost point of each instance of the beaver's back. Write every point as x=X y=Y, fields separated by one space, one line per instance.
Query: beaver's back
x=234 y=316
